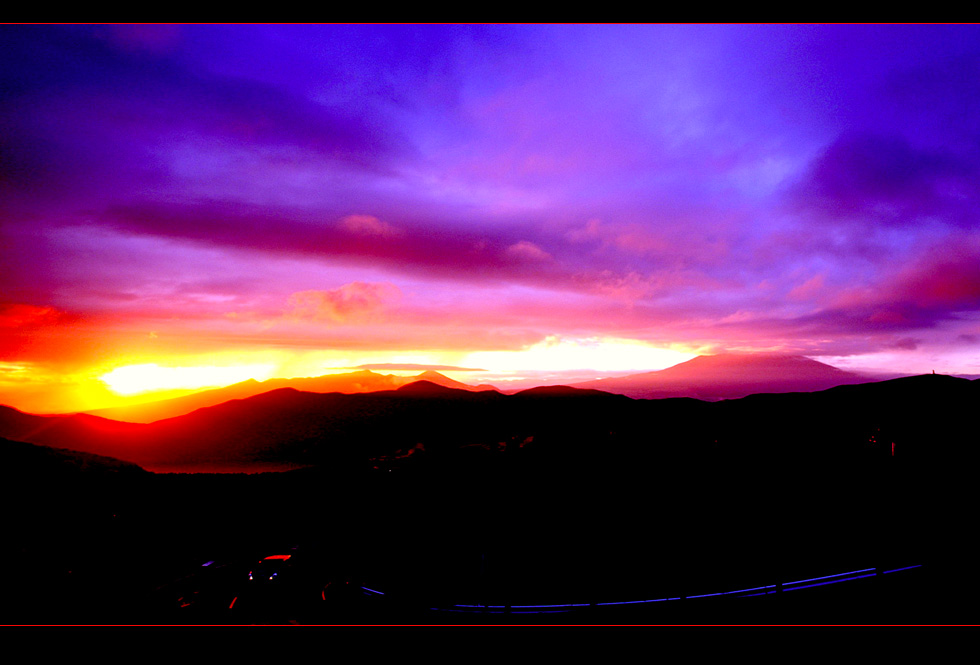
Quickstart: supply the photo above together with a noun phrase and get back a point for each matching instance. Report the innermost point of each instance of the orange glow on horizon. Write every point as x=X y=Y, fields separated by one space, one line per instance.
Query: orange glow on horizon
x=139 y=379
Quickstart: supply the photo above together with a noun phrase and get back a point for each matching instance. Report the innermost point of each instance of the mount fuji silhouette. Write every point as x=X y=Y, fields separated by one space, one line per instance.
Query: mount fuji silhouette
x=730 y=376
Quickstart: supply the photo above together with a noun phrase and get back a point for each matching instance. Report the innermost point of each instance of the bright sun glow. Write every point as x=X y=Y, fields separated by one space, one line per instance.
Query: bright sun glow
x=605 y=354
x=134 y=379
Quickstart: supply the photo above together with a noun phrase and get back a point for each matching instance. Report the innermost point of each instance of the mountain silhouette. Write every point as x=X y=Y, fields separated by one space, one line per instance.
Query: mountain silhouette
x=708 y=378
x=353 y=382
x=287 y=428
x=425 y=387
x=563 y=494
x=438 y=379
x=81 y=432
x=730 y=376
x=560 y=391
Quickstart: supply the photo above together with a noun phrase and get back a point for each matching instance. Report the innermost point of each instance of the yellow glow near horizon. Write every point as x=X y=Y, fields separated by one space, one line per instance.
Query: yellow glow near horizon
x=150 y=377
x=144 y=378
x=553 y=354
x=602 y=354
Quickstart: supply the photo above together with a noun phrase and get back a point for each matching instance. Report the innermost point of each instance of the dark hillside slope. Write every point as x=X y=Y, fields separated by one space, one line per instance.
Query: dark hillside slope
x=23 y=462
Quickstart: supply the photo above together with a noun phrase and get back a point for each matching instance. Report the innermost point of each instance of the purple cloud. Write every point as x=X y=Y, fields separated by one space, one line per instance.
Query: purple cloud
x=886 y=180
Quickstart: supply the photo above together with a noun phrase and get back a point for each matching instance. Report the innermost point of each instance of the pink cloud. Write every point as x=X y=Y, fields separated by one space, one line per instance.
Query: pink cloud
x=631 y=238
x=946 y=283
x=942 y=280
x=367 y=225
x=810 y=289
x=357 y=302
x=526 y=252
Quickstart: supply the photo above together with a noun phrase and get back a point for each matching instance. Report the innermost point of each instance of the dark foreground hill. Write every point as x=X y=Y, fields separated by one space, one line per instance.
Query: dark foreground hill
x=22 y=461
x=437 y=498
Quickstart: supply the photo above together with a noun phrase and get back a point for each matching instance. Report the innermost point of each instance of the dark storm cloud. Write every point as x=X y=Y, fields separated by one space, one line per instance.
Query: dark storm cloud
x=449 y=251
x=76 y=107
x=907 y=344
x=885 y=179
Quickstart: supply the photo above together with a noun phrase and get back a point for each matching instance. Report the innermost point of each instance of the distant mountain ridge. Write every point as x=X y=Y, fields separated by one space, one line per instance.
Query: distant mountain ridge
x=730 y=376
x=361 y=381
x=287 y=428
x=708 y=378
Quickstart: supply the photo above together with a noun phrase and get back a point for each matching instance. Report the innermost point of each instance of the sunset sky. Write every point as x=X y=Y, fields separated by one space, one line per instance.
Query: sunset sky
x=212 y=203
